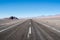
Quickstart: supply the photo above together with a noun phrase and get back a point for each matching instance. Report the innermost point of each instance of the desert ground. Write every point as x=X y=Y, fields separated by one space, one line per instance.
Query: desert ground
x=30 y=29
x=51 y=21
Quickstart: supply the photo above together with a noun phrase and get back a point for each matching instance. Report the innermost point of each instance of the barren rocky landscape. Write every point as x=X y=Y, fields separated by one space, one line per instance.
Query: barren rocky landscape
x=53 y=21
x=30 y=29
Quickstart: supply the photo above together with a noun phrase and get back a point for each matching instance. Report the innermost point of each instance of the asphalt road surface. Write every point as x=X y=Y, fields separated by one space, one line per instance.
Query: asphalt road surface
x=28 y=30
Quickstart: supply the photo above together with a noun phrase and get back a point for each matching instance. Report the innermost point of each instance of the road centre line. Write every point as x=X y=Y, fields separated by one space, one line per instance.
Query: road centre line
x=29 y=32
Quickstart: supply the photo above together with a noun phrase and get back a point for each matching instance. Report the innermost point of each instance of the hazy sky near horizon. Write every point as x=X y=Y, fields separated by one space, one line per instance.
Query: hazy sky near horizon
x=29 y=8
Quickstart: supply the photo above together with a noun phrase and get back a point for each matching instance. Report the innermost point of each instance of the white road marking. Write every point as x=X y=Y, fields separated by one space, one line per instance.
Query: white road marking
x=51 y=27
x=8 y=27
x=30 y=23
x=29 y=32
x=55 y=29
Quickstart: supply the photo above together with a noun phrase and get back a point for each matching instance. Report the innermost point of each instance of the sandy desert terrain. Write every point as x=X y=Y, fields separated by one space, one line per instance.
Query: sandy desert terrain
x=51 y=21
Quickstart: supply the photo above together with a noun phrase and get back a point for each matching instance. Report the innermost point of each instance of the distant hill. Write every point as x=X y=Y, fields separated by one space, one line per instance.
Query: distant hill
x=50 y=17
x=12 y=17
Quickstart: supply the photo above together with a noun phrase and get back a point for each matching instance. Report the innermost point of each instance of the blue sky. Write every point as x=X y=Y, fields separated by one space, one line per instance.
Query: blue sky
x=29 y=8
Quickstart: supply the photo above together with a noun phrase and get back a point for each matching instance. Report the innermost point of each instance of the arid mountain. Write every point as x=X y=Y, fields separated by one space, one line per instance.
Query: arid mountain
x=11 y=17
x=50 y=17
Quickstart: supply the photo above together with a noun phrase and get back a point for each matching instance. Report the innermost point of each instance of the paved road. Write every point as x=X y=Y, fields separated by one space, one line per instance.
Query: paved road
x=28 y=30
